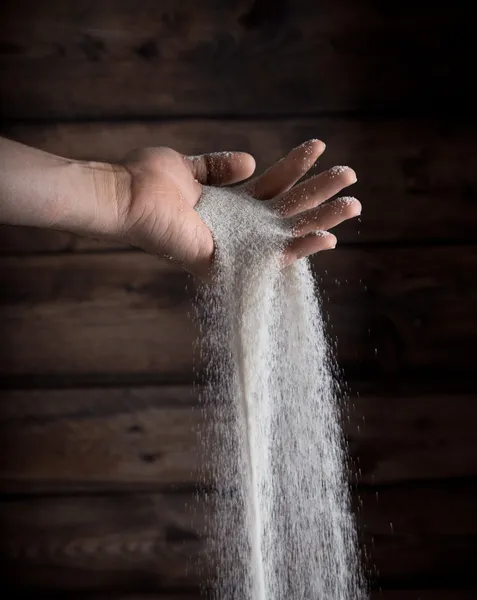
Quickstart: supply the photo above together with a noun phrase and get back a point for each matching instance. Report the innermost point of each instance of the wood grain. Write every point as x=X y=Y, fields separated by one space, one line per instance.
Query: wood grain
x=125 y=543
x=148 y=438
x=457 y=594
x=148 y=542
x=104 y=59
x=395 y=312
x=57 y=312
x=172 y=595
x=96 y=482
x=417 y=182
x=100 y=439
x=405 y=436
x=31 y=240
x=382 y=594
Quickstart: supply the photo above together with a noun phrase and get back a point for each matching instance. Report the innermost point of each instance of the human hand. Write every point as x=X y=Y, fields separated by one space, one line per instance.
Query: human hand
x=165 y=186
x=157 y=207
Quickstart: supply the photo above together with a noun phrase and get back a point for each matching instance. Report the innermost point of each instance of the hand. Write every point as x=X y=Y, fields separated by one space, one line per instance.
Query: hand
x=157 y=206
x=165 y=186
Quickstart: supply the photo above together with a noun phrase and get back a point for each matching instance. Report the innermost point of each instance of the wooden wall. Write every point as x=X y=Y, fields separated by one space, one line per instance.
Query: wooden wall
x=98 y=432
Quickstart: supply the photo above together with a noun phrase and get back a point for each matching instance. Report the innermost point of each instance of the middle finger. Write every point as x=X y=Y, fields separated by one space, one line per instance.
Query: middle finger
x=314 y=191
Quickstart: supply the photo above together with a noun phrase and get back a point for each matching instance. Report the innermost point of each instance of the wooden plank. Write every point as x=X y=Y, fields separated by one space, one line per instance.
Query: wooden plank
x=421 y=508
x=422 y=186
x=30 y=240
x=149 y=438
x=97 y=439
x=161 y=595
x=172 y=595
x=394 y=312
x=127 y=543
x=58 y=307
x=383 y=594
x=149 y=542
x=65 y=60
x=408 y=436
x=435 y=594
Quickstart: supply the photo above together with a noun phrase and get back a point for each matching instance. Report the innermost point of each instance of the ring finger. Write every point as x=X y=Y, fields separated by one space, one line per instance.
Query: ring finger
x=326 y=217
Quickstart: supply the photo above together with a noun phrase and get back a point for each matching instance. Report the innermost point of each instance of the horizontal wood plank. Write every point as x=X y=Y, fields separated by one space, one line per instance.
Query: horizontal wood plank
x=392 y=312
x=32 y=240
x=416 y=182
x=64 y=60
x=172 y=595
x=148 y=438
x=94 y=543
x=154 y=541
x=409 y=436
x=58 y=307
x=382 y=594
x=435 y=594
x=100 y=439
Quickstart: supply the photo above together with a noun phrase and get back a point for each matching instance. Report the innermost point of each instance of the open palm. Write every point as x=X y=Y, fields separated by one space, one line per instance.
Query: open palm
x=159 y=215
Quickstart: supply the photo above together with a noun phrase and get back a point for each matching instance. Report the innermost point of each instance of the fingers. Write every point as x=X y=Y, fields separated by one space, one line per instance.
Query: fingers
x=309 y=228
x=314 y=191
x=326 y=216
x=310 y=244
x=281 y=176
x=222 y=168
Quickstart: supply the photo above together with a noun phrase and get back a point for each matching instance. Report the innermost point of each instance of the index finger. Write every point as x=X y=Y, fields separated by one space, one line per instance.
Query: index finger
x=283 y=175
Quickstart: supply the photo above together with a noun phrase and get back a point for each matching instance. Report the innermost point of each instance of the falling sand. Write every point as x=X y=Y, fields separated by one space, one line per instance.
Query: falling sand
x=282 y=527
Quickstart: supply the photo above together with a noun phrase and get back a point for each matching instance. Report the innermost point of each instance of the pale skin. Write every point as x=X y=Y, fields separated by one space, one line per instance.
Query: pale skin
x=147 y=200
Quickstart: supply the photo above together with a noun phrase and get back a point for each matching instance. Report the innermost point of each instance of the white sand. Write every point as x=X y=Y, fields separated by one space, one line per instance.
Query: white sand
x=283 y=527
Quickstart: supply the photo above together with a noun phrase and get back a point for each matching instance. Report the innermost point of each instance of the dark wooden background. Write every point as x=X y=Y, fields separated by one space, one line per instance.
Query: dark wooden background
x=99 y=449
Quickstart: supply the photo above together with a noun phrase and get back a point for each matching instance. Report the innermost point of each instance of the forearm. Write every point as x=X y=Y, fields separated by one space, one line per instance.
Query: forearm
x=42 y=190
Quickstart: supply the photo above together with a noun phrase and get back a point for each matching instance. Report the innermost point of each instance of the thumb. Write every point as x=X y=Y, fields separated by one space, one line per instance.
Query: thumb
x=221 y=168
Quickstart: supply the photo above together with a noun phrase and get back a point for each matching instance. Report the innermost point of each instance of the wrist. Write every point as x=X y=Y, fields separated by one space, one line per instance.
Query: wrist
x=97 y=199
